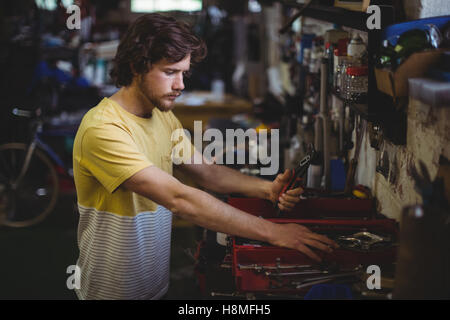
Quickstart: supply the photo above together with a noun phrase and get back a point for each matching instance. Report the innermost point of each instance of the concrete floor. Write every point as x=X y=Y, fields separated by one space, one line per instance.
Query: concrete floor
x=34 y=260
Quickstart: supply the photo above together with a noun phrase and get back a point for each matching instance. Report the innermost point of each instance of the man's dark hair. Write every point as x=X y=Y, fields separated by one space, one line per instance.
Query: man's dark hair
x=151 y=38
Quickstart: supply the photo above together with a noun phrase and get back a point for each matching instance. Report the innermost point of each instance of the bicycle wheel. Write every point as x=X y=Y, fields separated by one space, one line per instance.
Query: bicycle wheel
x=35 y=197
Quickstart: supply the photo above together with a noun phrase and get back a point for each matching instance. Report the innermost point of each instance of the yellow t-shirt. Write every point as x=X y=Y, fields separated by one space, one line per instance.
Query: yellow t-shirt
x=124 y=238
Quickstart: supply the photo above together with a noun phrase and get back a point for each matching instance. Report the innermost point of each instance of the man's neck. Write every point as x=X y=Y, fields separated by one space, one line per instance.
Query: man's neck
x=133 y=102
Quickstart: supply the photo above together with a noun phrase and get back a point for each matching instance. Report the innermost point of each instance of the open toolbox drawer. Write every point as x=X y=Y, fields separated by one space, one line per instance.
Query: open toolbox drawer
x=246 y=253
x=314 y=208
x=254 y=264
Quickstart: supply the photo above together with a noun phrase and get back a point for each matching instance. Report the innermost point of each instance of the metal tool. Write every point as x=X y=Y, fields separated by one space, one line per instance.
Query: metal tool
x=330 y=271
x=310 y=281
x=362 y=240
x=261 y=268
x=360 y=130
x=319 y=281
x=298 y=173
x=290 y=274
x=276 y=283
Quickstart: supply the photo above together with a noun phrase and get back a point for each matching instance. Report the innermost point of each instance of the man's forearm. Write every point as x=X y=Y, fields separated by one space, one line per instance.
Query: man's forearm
x=203 y=209
x=222 y=179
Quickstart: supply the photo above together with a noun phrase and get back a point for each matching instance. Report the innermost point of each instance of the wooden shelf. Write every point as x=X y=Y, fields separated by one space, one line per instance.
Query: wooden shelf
x=343 y=17
x=348 y=18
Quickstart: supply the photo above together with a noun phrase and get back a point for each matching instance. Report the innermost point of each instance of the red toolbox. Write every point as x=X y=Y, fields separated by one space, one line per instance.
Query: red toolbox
x=314 y=208
x=262 y=268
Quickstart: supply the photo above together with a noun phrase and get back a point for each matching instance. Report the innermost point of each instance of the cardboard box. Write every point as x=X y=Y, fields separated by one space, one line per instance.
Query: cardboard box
x=354 y=5
x=420 y=9
x=417 y=65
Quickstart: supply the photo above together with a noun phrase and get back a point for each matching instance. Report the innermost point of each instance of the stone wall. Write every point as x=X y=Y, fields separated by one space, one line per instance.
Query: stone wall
x=419 y=9
x=428 y=137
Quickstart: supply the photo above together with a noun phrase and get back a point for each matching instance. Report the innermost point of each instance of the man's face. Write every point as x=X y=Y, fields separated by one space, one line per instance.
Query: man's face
x=164 y=82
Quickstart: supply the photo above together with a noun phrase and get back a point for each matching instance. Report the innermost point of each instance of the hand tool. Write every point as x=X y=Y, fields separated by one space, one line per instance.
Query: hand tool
x=355 y=272
x=298 y=173
x=300 y=273
x=257 y=267
x=331 y=271
x=363 y=240
x=360 y=131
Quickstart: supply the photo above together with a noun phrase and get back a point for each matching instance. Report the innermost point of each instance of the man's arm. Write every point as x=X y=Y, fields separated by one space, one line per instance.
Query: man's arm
x=204 y=210
x=224 y=180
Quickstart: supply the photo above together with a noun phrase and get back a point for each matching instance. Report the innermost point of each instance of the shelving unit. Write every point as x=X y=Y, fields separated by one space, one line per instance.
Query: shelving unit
x=380 y=109
x=347 y=18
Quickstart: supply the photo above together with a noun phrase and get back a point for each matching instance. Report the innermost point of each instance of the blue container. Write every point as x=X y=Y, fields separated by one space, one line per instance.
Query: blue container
x=329 y=292
x=393 y=32
x=306 y=42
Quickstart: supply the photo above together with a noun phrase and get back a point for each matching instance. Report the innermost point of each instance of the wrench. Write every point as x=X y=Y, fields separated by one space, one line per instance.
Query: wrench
x=262 y=267
x=354 y=272
x=302 y=273
x=363 y=240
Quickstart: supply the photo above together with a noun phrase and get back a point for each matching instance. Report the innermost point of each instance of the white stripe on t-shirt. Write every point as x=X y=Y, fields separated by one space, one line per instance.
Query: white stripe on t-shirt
x=124 y=257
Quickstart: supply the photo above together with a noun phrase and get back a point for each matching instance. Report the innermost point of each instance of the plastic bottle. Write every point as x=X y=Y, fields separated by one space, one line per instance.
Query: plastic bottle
x=356 y=49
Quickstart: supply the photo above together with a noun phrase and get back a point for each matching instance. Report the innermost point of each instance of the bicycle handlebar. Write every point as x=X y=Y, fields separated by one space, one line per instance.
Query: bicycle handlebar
x=27 y=113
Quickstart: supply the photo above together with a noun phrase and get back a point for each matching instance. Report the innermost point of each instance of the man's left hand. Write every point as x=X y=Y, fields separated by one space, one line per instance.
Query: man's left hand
x=290 y=198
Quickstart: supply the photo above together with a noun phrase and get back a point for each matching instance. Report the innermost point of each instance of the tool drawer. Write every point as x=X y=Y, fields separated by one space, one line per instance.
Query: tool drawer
x=260 y=267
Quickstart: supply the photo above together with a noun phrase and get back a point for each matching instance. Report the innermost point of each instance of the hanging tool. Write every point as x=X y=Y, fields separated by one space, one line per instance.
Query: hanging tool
x=350 y=181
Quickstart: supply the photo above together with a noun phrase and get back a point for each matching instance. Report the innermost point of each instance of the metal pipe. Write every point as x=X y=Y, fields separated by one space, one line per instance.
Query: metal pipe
x=325 y=120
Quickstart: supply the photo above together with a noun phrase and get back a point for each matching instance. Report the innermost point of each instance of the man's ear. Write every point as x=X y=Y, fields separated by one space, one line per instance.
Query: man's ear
x=133 y=71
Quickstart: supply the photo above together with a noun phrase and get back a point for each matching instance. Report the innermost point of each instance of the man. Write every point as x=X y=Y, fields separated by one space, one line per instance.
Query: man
x=123 y=174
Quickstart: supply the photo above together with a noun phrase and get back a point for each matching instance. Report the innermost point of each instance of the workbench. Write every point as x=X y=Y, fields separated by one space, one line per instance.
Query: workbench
x=203 y=106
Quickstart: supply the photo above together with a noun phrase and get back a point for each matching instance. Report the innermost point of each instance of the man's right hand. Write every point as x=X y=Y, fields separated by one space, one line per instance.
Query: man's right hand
x=298 y=237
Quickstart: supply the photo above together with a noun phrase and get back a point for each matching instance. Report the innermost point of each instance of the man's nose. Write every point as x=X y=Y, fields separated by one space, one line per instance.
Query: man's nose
x=178 y=84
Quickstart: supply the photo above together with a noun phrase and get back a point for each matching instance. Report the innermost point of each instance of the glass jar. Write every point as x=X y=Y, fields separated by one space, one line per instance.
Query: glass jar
x=341 y=72
x=356 y=84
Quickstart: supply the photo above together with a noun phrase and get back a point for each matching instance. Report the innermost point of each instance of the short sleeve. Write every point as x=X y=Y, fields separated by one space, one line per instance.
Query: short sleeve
x=110 y=154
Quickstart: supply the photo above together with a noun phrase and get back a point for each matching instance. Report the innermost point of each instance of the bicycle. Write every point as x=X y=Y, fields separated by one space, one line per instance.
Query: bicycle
x=29 y=182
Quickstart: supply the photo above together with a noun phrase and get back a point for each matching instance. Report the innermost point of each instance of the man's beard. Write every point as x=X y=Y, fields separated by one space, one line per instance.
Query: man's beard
x=156 y=101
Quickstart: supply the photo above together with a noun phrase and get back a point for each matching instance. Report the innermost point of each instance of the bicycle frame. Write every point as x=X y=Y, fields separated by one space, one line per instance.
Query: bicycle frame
x=37 y=142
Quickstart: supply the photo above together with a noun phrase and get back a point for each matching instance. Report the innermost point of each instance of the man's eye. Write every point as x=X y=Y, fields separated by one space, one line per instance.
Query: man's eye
x=169 y=73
